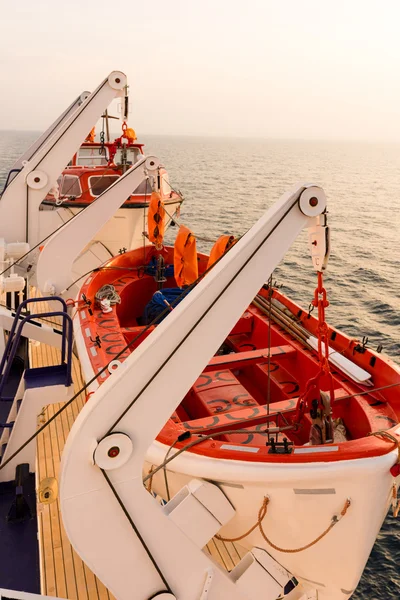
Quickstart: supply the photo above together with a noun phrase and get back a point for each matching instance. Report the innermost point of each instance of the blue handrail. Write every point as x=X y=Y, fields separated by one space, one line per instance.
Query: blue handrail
x=18 y=316
x=16 y=333
x=64 y=359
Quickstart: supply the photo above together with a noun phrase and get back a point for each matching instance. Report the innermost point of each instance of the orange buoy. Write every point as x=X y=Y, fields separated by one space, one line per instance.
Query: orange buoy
x=185 y=257
x=223 y=243
x=130 y=134
x=156 y=219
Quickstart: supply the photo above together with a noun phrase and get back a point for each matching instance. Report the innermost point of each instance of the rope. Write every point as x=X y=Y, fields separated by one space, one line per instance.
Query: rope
x=149 y=486
x=100 y=268
x=369 y=392
x=198 y=237
x=388 y=436
x=261 y=514
x=391 y=438
x=395 y=502
x=108 y=292
x=165 y=471
x=204 y=438
x=269 y=344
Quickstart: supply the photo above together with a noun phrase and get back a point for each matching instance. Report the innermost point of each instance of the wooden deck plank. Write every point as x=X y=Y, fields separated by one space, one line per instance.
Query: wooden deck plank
x=47 y=539
x=55 y=513
x=47 y=563
x=69 y=568
x=214 y=548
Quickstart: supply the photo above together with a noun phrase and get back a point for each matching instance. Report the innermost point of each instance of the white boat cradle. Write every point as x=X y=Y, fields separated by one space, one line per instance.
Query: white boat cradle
x=137 y=547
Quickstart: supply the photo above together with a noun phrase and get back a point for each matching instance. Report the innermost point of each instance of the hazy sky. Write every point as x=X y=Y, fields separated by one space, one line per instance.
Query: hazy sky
x=325 y=69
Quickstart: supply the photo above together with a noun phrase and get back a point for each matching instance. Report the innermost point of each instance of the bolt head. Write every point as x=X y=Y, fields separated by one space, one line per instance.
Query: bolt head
x=113 y=452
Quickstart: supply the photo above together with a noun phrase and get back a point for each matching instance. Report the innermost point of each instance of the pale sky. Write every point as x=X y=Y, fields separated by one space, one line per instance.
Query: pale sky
x=310 y=69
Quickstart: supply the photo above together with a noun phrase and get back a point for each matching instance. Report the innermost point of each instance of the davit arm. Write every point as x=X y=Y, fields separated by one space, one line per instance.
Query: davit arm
x=117 y=527
x=59 y=122
x=19 y=204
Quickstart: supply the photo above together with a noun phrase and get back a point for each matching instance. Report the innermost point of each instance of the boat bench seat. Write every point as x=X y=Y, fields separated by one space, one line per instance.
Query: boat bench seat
x=217 y=392
x=238 y=360
x=260 y=419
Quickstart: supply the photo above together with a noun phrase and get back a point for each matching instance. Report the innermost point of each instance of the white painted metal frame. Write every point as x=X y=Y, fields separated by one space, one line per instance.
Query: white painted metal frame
x=63 y=118
x=19 y=205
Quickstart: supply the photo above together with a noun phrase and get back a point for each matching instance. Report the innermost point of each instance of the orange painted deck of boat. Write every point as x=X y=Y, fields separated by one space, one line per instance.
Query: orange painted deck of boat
x=63 y=573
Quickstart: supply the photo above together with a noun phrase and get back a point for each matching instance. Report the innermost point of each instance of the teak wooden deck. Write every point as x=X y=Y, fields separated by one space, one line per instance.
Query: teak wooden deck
x=62 y=572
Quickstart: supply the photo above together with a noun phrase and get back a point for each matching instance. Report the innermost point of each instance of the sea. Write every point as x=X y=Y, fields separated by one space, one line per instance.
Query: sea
x=229 y=183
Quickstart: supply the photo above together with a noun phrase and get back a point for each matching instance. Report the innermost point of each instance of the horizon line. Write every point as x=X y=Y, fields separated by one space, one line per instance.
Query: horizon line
x=238 y=137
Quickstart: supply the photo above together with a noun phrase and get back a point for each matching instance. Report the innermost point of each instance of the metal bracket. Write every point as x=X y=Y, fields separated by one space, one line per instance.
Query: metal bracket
x=207 y=585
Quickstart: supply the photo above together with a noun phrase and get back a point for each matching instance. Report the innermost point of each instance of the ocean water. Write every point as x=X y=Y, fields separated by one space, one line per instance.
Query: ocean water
x=229 y=183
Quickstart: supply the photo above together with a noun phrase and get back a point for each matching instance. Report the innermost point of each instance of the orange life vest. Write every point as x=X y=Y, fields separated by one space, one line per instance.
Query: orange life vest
x=223 y=243
x=91 y=135
x=156 y=219
x=185 y=257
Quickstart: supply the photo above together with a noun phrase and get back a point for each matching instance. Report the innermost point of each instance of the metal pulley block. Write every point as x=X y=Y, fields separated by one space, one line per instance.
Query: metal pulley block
x=319 y=241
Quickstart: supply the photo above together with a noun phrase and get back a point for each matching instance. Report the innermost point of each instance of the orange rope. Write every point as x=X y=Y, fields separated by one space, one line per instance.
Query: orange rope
x=395 y=502
x=261 y=514
x=390 y=438
x=149 y=485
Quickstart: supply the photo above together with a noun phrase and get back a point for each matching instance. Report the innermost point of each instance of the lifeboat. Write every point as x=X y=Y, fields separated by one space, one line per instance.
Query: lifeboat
x=302 y=438
x=91 y=171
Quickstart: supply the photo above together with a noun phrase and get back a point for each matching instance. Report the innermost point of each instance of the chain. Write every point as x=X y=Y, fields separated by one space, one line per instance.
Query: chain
x=124 y=128
x=323 y=379
x=102 y=149
x=320 y=302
